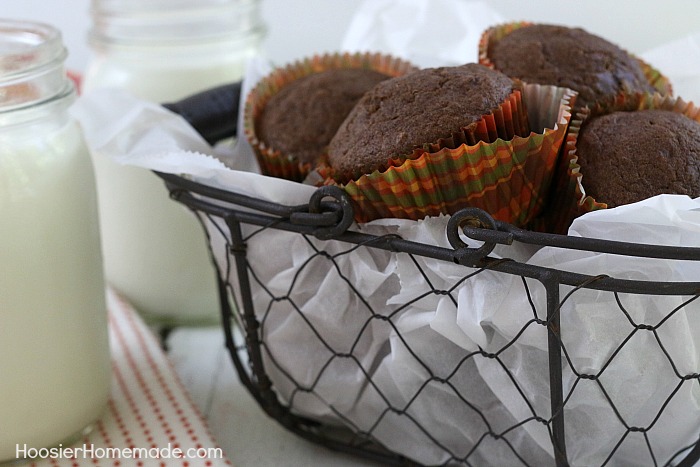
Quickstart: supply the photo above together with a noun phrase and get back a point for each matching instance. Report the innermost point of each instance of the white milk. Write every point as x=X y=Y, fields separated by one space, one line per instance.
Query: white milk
x=54 y=349
x=155 y=251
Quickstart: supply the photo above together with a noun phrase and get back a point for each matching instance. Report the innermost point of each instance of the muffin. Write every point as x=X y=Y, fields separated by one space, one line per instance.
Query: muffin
x=301 y=119
x=641 y=146
x=292 y=114
x=570 y=57
x=403 y=114
x=438 y=140
x=627 y=157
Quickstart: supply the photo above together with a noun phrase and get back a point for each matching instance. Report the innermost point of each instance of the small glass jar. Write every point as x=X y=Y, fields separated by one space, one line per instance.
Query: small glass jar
x=54 y=351
x=155 y=251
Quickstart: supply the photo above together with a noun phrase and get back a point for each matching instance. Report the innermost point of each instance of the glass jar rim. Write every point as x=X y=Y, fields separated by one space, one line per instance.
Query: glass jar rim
x=131 y=7
x=26 y=46
x=163 y=22
x=31 y=64
x=99 y=41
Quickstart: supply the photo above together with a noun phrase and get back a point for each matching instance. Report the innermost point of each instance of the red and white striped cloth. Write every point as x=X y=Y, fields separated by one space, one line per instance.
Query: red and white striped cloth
x=149 y=408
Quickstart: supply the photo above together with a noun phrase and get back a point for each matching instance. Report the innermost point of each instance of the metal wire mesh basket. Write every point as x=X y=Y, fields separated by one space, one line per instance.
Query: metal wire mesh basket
x=440 y=408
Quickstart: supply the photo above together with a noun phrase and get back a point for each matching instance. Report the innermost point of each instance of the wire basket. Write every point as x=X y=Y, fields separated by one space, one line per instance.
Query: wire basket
x=440 y=409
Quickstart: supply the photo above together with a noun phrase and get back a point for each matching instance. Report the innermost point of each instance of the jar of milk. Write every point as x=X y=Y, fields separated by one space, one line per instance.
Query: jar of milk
x=54 y=352
x=155 y=250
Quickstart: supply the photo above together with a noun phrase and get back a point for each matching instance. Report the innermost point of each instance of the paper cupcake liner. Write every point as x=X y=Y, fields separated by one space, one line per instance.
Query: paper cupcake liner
x=272 y=161
x=506 y=178
x=495 y=33
x=505 y=122
x=508 y=120
x=569 y=199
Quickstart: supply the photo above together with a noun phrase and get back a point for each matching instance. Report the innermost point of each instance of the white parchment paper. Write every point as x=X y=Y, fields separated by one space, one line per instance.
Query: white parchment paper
x=637 y=370
x=406 y=29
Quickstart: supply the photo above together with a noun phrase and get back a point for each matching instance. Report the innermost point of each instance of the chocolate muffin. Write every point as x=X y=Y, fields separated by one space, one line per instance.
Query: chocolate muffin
x=569 y=57
x=303 y=116
x=404 y=113
x=627 y=157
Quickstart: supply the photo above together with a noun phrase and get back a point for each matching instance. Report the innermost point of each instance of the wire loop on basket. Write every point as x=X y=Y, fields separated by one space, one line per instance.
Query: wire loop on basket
x=320 y=211
x=470 y=221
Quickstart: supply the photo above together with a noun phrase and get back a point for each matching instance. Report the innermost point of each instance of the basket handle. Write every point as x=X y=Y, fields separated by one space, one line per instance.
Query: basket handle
x=213 y=113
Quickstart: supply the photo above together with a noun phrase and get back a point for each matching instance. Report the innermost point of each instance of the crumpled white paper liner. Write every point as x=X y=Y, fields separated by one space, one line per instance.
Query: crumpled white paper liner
x=641 y=377
x=427 y=33
x=296 y=286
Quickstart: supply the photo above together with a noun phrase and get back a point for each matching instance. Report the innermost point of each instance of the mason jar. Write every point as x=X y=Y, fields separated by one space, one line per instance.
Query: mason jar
x=54 y=351
x=155 y=251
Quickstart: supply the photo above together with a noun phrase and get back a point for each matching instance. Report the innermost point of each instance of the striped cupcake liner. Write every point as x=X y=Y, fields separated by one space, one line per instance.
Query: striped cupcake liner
x=274 y=162
x=495 y=33
x=569 y=199
x=505 y=122
x=508 y=178
x=510 y=119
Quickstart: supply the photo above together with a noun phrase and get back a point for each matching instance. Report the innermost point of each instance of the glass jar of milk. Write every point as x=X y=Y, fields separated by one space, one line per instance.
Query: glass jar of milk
x=155 y=250
x=54 y=352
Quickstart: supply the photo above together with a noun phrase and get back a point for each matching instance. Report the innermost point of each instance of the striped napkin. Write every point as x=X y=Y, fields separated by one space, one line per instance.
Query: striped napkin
x=150 y=419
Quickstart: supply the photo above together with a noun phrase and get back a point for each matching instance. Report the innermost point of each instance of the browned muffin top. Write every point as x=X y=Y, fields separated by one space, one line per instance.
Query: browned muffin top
x=303 y=116
x=404 y=113
x=626 y=157
x=568 y=57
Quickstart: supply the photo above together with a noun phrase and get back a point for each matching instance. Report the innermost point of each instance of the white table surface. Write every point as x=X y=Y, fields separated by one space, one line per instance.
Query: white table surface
x=298 y=28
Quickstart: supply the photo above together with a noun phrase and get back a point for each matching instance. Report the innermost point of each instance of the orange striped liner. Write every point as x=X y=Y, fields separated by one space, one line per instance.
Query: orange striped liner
x=508 y=177
x=570 y=200
x=272 y=161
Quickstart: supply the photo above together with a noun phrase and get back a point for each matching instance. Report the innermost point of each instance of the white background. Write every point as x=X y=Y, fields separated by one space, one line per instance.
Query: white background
x=302 y=27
